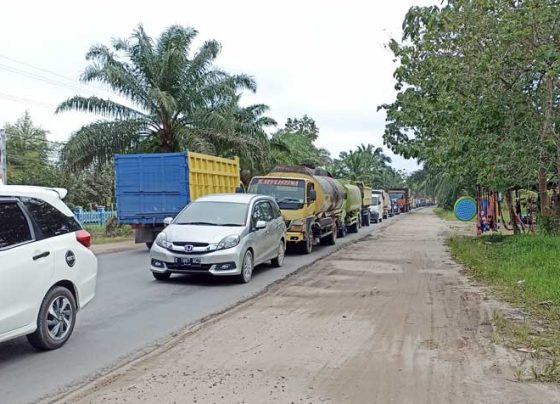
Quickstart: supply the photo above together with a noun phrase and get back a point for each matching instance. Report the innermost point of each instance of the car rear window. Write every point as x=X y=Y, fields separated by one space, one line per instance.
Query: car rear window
x=50 y=221
x=14 y=228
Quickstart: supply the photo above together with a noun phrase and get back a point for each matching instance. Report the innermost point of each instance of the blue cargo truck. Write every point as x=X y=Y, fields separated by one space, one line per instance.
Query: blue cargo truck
x=152 y=187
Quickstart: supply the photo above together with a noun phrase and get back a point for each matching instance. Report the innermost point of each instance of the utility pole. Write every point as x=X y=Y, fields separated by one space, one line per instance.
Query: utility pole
x=3 y=158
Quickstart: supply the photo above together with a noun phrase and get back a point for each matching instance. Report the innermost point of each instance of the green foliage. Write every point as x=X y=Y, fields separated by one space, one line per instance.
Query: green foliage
x=114 y=229
x=369 y=165
x=89 y=186
x=294 y=144
x=478 y=91
x=109 y=233
x=177 y=100
x=29 y=154
x=524 y=271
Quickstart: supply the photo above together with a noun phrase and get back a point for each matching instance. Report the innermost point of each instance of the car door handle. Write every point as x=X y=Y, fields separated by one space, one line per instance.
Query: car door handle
x=42 y=255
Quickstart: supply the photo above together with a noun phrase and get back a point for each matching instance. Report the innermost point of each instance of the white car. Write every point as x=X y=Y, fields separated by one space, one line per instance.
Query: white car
x=221 y=235
x=47 y=271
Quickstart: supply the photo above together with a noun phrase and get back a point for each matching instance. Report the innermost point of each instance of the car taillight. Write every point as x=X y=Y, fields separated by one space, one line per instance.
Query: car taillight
x=83 y=238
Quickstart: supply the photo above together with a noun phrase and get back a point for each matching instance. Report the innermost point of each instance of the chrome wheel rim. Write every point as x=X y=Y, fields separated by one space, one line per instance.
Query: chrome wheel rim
x=281 y=253
x=247 y=266
x=59 y=318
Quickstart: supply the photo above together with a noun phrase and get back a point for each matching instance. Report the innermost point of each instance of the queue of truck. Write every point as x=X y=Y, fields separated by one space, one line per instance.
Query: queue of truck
x=290 y=207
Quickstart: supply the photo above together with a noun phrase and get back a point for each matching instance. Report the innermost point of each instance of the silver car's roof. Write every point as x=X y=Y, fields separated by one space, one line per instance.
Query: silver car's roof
x=233 y=198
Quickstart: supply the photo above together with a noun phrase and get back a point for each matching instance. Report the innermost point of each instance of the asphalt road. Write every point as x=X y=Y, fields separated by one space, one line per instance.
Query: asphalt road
x=130 y=315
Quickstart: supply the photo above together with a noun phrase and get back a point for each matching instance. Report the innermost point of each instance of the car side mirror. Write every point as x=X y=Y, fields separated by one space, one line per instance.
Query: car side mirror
x=379 y=202
x=167 y=221
x=261 y=224
x=312 y=195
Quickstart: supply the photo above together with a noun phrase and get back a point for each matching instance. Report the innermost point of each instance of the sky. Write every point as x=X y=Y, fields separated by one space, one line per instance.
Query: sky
x=326 y=59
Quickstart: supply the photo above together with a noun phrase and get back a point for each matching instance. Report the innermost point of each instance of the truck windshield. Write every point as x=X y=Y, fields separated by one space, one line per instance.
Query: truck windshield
x=206 y=213
x=289 y=194
x=375 y=200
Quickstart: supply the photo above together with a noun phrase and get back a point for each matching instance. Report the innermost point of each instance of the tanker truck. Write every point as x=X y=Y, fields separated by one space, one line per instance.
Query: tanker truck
x=367 y=201
x=352 y=211
x=311 y=202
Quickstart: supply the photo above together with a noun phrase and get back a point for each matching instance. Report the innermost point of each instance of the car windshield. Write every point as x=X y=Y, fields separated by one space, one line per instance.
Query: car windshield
x=289 y=194
x=375 y=200
x=206 y=213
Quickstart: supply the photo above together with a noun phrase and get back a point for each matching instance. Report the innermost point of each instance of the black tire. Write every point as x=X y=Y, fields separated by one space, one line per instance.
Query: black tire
x=343 y=231
x=149 y=244
x=353 y=228
x=279 y=260
x=161 y=276
x=331 y=238
x=243 y=277
x=306 y=246
x=42 y=339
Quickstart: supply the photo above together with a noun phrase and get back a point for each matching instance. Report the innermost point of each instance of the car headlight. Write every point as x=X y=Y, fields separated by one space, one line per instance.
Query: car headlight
x=161 y=240
x=228 y=242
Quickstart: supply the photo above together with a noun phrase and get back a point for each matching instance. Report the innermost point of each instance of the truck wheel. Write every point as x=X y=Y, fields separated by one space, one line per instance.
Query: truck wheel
x=343 y=231
x=353 y=228
x=306 y=247
x=331 y=238
x=149 y=244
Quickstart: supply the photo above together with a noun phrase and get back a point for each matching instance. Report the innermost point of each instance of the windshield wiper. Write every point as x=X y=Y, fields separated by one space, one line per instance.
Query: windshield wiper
x=230 y=224
x=289 y=199
x=199 y=223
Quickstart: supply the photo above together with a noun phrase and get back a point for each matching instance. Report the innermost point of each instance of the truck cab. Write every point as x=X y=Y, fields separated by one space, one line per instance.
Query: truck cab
x=295 y=198
x=311 y=204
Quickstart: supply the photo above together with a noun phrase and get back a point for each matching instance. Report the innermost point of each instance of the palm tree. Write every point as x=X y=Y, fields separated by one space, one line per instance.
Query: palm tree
x=175 y=100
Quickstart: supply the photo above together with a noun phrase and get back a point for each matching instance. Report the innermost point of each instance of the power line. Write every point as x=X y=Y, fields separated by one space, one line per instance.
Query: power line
x=83 y=86
x=26 y=101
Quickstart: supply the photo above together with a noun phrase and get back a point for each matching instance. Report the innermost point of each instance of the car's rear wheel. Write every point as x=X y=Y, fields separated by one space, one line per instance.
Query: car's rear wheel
x=161 y=276
x=279 y=260
x=246 y=268
x=56 y=320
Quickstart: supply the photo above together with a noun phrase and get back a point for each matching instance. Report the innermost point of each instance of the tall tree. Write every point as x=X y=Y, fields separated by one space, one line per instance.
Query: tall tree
x=295 y=144
x=176 y=99
x=478 y=91
x=29 y=154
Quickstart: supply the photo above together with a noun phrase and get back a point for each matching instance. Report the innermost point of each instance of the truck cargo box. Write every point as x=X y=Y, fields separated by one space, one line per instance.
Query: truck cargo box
x=151 y=187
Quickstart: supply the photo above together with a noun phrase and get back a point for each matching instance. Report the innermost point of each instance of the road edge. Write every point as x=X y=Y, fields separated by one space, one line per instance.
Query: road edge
x=164 y=344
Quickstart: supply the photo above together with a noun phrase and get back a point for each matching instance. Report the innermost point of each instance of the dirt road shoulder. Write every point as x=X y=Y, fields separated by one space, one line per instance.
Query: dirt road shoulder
x=387 y=319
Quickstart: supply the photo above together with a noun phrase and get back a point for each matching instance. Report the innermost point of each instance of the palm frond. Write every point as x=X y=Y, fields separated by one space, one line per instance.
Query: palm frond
x=99 y=106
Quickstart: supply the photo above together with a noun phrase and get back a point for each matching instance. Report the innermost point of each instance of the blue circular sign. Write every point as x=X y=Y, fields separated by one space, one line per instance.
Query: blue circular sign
x=465 y=209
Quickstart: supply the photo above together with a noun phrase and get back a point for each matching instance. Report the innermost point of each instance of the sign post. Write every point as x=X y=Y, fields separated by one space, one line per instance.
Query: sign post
x=3 y=158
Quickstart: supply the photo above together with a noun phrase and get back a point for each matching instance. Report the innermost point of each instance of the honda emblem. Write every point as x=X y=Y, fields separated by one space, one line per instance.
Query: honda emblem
x=188 y=248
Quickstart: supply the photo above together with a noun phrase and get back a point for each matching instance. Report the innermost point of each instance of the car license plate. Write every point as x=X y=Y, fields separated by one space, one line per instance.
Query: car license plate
x=188 y=261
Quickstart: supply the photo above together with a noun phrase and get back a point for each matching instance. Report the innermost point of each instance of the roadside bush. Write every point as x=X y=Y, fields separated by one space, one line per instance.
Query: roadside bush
x=114 y=229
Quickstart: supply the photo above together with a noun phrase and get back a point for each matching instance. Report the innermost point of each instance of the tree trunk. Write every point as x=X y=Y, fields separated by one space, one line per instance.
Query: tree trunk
x=512 y=214
x=544 y=138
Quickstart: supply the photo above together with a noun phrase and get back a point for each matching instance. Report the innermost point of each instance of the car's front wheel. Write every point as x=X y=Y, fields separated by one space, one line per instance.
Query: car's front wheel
x=246 y=268
x=56 y=320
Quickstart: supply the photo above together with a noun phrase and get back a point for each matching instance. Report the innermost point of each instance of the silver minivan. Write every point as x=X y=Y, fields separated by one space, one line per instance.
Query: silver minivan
x=222 y=235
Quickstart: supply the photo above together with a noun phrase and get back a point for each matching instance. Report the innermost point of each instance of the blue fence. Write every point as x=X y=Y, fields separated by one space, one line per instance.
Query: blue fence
x=99 y=216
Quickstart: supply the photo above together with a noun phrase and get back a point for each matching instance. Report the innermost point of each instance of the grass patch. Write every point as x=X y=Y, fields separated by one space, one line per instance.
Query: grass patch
x=524 y=271
x=101 y=235
x=445 y=214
